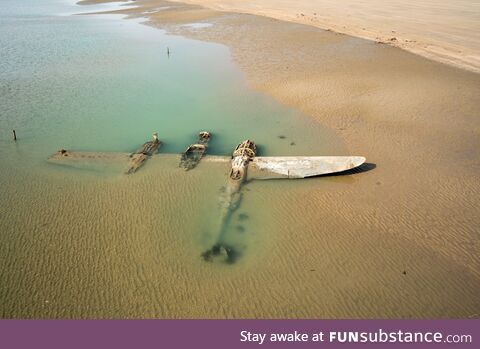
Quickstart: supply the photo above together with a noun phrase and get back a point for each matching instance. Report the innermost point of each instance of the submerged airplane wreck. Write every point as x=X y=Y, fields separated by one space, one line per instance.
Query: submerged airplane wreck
x=141 y=155
x=244 y=166
x=194 y=153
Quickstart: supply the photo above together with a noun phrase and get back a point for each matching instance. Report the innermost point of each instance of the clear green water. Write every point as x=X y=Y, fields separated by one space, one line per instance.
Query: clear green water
x=81 y=244
x=103 y=83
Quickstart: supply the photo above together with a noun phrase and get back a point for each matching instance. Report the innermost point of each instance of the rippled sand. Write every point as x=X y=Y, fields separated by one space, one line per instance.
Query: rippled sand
x=79 y=245
x=398 y=241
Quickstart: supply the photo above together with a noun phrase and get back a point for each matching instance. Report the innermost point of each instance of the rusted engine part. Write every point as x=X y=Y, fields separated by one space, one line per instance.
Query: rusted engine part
x=230 y=202
x=242 y=155
x=194 y=153
x=138 y=158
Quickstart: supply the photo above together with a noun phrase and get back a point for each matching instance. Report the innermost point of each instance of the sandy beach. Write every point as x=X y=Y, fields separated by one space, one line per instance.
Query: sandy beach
x=415 y=119
x=446 y=31
x=397 y=239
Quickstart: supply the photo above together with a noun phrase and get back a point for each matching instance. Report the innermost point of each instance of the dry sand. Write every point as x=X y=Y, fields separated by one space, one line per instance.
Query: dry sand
x=401 y=240
x=446 y=31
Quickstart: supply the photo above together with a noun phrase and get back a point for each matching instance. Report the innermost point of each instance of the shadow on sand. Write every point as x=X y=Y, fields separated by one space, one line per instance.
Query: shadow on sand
x=368 y=166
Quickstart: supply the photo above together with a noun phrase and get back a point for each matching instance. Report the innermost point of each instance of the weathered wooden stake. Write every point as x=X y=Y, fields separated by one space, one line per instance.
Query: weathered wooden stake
x=14 y=135
x=168 y=52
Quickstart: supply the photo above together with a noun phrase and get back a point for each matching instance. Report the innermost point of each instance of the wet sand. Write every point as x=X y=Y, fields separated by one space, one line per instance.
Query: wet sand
x=446 y=31
x=400 y=240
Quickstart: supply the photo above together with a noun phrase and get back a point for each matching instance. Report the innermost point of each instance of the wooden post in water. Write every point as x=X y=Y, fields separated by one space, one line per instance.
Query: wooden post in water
x=14 y=135
x=168 y=52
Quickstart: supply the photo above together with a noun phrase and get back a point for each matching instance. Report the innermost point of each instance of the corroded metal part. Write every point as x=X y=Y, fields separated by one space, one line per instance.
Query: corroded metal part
x=100 y=162
x=230 y=201
x=194 y=153
x=138 y=158
x=204 y=137
x=244 y=163
x=241 y=157
x=246 y=148
x=82 y=158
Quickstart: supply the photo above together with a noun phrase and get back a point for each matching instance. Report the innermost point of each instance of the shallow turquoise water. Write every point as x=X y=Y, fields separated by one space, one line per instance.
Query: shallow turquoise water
x=104 y=83
x=102 y=244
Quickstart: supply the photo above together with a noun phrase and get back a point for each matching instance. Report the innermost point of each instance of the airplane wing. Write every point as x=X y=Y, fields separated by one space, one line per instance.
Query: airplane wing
x=98 y=160
x=217 y=158
x=86 y=156
x=92 y=161
x=300 y=166
x=262 y=167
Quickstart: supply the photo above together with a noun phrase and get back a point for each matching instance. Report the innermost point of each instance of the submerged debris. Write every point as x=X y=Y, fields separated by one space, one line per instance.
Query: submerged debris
x=228 y=253
x=242 y=216
x=240 y=228
x=194 y=153
x=241 y=157
x=138 y=158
